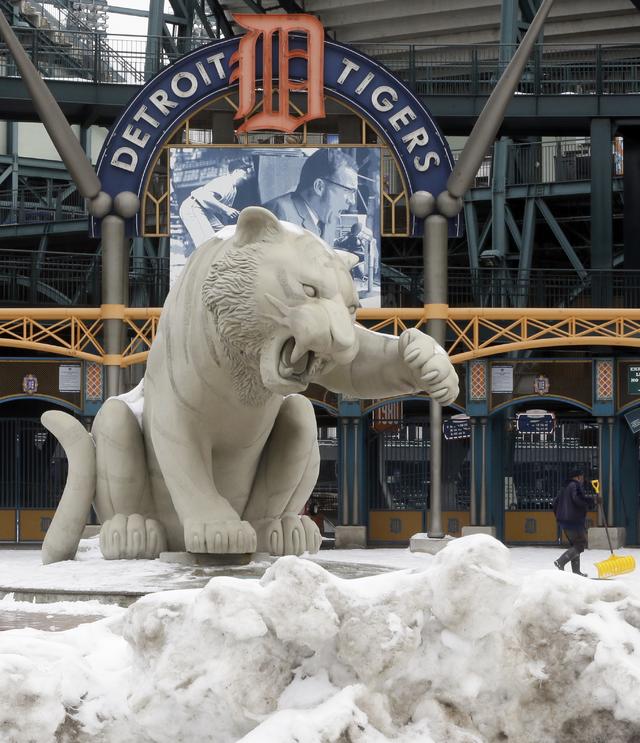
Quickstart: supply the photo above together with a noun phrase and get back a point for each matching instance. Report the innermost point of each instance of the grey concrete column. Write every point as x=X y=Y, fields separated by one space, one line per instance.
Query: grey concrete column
x=113 y=296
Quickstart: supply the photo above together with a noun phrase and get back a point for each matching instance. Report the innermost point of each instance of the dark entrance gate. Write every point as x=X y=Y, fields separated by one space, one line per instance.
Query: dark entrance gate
x=398 y=480
x=536 y=466
x=33 y=470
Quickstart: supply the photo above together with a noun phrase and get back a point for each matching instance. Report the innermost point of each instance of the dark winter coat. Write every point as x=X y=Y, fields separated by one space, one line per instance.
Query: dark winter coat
x=571 y=505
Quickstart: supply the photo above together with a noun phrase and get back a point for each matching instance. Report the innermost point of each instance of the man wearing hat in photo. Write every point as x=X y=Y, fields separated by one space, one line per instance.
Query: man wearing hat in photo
x=570 y=507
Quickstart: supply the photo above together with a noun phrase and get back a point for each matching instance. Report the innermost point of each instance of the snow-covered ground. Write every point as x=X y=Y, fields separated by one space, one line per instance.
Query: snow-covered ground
x=478 y=644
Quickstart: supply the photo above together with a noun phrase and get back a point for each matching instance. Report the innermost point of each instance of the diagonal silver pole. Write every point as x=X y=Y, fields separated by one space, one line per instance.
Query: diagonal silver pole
x=68 y=147
x=487 y=124
x=100 y=204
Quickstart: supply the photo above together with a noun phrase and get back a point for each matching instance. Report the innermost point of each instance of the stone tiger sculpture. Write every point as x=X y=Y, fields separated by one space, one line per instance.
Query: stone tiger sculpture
x=225 y=454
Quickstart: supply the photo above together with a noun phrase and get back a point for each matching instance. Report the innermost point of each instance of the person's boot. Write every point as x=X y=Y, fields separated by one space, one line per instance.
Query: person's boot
x=565 y=557
x=575 y=566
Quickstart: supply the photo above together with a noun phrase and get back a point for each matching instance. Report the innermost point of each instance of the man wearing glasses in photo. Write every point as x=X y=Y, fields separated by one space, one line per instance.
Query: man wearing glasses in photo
x=327 y=187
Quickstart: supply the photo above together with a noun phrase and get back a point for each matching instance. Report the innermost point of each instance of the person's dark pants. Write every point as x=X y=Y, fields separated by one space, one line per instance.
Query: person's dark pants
x=578 y=540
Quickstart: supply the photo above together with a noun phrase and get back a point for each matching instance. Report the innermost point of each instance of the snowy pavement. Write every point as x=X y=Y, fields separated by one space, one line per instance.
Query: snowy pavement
x=89 y=572
x=477 y=644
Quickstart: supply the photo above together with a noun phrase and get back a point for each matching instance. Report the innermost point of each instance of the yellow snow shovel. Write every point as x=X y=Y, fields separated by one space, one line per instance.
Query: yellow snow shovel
x=616 y=564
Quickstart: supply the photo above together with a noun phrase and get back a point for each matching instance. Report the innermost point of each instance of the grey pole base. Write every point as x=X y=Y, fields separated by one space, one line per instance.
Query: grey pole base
x=597 y=538
x=490 y=530
x=426 y=543
x=204 y=559
x=351 y=537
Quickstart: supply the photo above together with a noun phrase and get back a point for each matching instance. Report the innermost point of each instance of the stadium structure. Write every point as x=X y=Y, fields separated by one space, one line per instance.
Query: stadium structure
x=543 y=286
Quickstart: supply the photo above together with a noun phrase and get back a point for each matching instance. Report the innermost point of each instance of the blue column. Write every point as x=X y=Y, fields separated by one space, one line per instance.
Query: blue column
x=352 y=501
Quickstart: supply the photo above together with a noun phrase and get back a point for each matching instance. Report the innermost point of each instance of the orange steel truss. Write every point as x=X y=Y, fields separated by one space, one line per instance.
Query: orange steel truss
x=76 y=332
x=475 y=332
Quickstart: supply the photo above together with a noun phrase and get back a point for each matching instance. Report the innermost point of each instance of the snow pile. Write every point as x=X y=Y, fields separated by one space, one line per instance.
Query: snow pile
x=464 y=651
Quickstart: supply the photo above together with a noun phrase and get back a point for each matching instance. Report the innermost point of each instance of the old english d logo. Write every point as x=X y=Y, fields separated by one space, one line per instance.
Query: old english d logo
x=265 y=27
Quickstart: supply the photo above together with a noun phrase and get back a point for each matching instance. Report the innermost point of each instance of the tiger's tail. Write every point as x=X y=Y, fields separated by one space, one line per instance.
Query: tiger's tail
x=64 y=533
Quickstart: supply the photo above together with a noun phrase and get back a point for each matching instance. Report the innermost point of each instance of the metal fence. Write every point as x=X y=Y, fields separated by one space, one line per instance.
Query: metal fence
x=57 y=278
x=399 y=468
x=34 y=467
x=538 y=464
x=497 y=287
x=559 y=161
x=457 y=70
x=41 y=204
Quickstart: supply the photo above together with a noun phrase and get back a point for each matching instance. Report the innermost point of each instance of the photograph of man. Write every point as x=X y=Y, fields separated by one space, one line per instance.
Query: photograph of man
x=210 y=207
x=327 y=186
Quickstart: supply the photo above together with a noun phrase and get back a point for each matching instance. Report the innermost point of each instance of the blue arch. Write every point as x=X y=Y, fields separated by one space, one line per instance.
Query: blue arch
x=43 y=398
x=329 y=408
x=145 y=120
x=407 y=398
x=534 y=398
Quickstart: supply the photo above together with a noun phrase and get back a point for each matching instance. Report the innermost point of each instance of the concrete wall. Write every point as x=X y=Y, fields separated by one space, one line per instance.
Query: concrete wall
x=472 y=21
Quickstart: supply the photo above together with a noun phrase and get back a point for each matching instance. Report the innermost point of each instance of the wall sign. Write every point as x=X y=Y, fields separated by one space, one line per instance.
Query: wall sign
x=502 y=379
x=633 y=380
x=69 y=377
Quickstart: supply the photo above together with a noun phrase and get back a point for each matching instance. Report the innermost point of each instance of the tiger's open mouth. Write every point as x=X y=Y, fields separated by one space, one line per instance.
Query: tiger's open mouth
x=296 y=364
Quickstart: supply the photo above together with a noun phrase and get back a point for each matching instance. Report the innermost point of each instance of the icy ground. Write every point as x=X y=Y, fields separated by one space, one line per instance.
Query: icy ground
x=463 y=647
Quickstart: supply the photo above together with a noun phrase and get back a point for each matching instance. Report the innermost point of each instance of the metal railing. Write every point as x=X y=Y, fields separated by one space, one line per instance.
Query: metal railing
x=75 y=279
x=457 y=70
x=51 y=278
x=41 y=204
x=495 y=287
x=560 y=161
x=547 y=162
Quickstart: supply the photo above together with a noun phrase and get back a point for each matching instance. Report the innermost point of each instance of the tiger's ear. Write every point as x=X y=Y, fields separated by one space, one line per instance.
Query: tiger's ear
x=349 y=259
x=256 y=224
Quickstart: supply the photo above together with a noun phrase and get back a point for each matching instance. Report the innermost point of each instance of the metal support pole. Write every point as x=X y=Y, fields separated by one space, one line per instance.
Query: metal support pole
x=355 y=510
x=434 y=256
x=483 y=483
x=600 y=462
x=611 y=515
x=113 y=297
x=473 y=506
x=344 y=495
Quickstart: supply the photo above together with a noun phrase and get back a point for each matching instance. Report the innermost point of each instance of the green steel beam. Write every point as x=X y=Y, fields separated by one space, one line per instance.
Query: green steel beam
x=499 y=237
x=527 y=115
x=526 y=251
x=601 y=194
x=544 y=190
x=51 y=228
x=513 y=227
x=471 y=231
x=561 y=237
x=631 y=197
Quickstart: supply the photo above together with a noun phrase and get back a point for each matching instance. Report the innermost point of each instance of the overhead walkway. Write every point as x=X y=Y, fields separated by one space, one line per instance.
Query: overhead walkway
x=563 y=88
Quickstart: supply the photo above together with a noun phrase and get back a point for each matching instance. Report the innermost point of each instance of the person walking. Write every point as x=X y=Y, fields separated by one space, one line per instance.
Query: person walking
x=570 y=507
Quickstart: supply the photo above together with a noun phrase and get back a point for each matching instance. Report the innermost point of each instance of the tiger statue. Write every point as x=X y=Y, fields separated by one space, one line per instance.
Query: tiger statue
x=215 y=451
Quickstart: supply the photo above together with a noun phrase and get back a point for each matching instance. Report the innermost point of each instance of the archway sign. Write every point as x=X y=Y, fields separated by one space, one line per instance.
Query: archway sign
x=273 y=45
